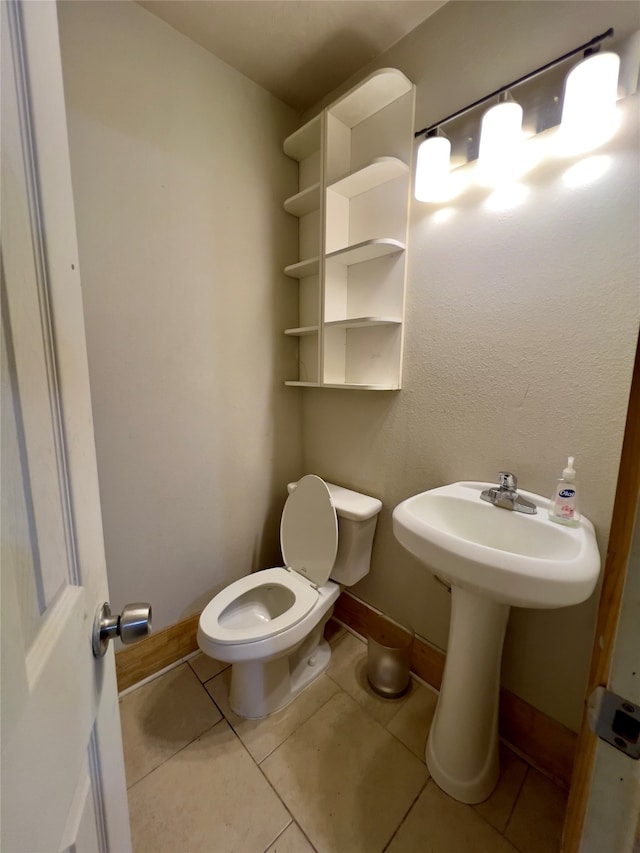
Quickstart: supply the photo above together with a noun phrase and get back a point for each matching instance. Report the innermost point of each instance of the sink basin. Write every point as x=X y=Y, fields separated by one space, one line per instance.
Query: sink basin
x=493 y=558
x=518 y=559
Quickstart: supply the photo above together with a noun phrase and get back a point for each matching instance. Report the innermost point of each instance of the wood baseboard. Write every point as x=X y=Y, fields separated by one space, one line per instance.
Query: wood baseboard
x=156 y=651
x=544 y=742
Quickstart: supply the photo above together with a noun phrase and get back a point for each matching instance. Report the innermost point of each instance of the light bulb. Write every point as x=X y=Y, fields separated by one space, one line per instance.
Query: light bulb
x=500 y=156
x=432 y=169
x=589 y=104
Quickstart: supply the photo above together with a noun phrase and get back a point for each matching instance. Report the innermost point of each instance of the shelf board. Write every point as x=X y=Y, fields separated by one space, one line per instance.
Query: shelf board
x=301 y=331
x=358 y=387
x=367 y=251
x=362 y=322
x=376 y=92
x=304 y=141
x=376 y=173
x=304 y=202
x=310 y=266
x=296 y=384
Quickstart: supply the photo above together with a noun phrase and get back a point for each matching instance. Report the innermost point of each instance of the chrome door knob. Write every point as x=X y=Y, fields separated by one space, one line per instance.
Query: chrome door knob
x=133 y=624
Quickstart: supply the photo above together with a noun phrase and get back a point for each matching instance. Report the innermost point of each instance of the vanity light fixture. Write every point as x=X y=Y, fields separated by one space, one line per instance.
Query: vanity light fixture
x=589 y=103
x=433 y=168
x=500 y=154
x=591 y=93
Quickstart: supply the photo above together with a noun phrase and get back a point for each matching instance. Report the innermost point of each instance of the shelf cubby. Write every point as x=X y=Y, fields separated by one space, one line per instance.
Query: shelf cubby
x=362 y=355
x=374 y=174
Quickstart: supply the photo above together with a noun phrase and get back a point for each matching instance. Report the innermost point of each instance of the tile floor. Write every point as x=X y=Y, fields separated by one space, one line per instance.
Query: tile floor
x=340 y=769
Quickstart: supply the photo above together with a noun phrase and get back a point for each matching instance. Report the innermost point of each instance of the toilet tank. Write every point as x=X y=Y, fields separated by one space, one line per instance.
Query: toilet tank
x=357 y=517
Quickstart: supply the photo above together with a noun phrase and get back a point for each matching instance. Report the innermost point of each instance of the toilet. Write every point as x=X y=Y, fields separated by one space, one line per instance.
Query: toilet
x=269 y=625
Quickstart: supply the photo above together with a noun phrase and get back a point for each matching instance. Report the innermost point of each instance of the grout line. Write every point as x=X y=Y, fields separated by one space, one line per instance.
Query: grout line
x=313 y=847
x=264 y=776
x=211 y=677
x=173 y=754
x=515 y=801
x=382 y=725
x=302 y=723
x=291 y=823
x=279 y=835
x=157 y=674
x=482 y=816
x=402 y=703
x=422 y=760
x=293 y=731
x=532 y=764
x=275 y=791
x=210 y=697
x=406 y=814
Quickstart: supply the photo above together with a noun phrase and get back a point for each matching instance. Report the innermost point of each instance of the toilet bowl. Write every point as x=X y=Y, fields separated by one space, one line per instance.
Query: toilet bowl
x=269 y=625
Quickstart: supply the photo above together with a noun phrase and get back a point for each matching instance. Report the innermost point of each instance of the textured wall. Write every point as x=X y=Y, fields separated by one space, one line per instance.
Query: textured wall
x=521 y=326
x=179 y=177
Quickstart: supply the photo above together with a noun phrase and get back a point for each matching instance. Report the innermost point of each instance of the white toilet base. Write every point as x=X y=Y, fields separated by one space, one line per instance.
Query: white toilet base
x=260 y=688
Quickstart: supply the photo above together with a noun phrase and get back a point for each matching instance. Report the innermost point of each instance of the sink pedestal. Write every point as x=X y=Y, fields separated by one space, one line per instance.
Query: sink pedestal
x=462 y=749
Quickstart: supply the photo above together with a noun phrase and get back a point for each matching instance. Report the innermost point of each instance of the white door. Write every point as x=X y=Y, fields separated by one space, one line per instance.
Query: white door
x=63 y=785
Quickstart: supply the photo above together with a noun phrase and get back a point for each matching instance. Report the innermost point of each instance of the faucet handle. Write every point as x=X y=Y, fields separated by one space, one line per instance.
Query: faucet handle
x=508 y=481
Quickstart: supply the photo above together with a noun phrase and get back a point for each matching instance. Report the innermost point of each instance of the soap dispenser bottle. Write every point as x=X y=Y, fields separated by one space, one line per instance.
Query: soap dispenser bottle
x=564 y=501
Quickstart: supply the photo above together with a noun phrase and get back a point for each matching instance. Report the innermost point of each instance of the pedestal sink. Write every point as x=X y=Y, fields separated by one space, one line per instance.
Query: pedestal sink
x=494 y=559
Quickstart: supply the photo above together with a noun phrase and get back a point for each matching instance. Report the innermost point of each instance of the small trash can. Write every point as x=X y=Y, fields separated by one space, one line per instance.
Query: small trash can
x=389 y=659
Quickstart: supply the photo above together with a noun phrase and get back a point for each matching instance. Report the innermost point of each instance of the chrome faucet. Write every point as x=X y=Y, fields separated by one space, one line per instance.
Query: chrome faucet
x=506 y=496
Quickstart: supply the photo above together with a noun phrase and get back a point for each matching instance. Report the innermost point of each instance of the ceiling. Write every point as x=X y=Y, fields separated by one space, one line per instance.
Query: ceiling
x=299 y=50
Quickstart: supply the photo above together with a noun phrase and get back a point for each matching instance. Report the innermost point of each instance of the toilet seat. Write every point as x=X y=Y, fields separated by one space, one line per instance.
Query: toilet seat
x=304 y=597
x=309 y=540
x=309 y=530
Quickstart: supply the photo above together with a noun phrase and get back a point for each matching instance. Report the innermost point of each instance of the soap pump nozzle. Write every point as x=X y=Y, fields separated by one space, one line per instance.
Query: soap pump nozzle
x=569 y=473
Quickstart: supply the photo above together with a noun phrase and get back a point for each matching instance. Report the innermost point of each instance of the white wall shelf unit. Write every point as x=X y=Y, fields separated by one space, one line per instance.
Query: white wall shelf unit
x=352 y=205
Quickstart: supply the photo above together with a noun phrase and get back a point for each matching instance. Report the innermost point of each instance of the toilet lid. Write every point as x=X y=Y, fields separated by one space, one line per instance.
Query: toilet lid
x=309 y=530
